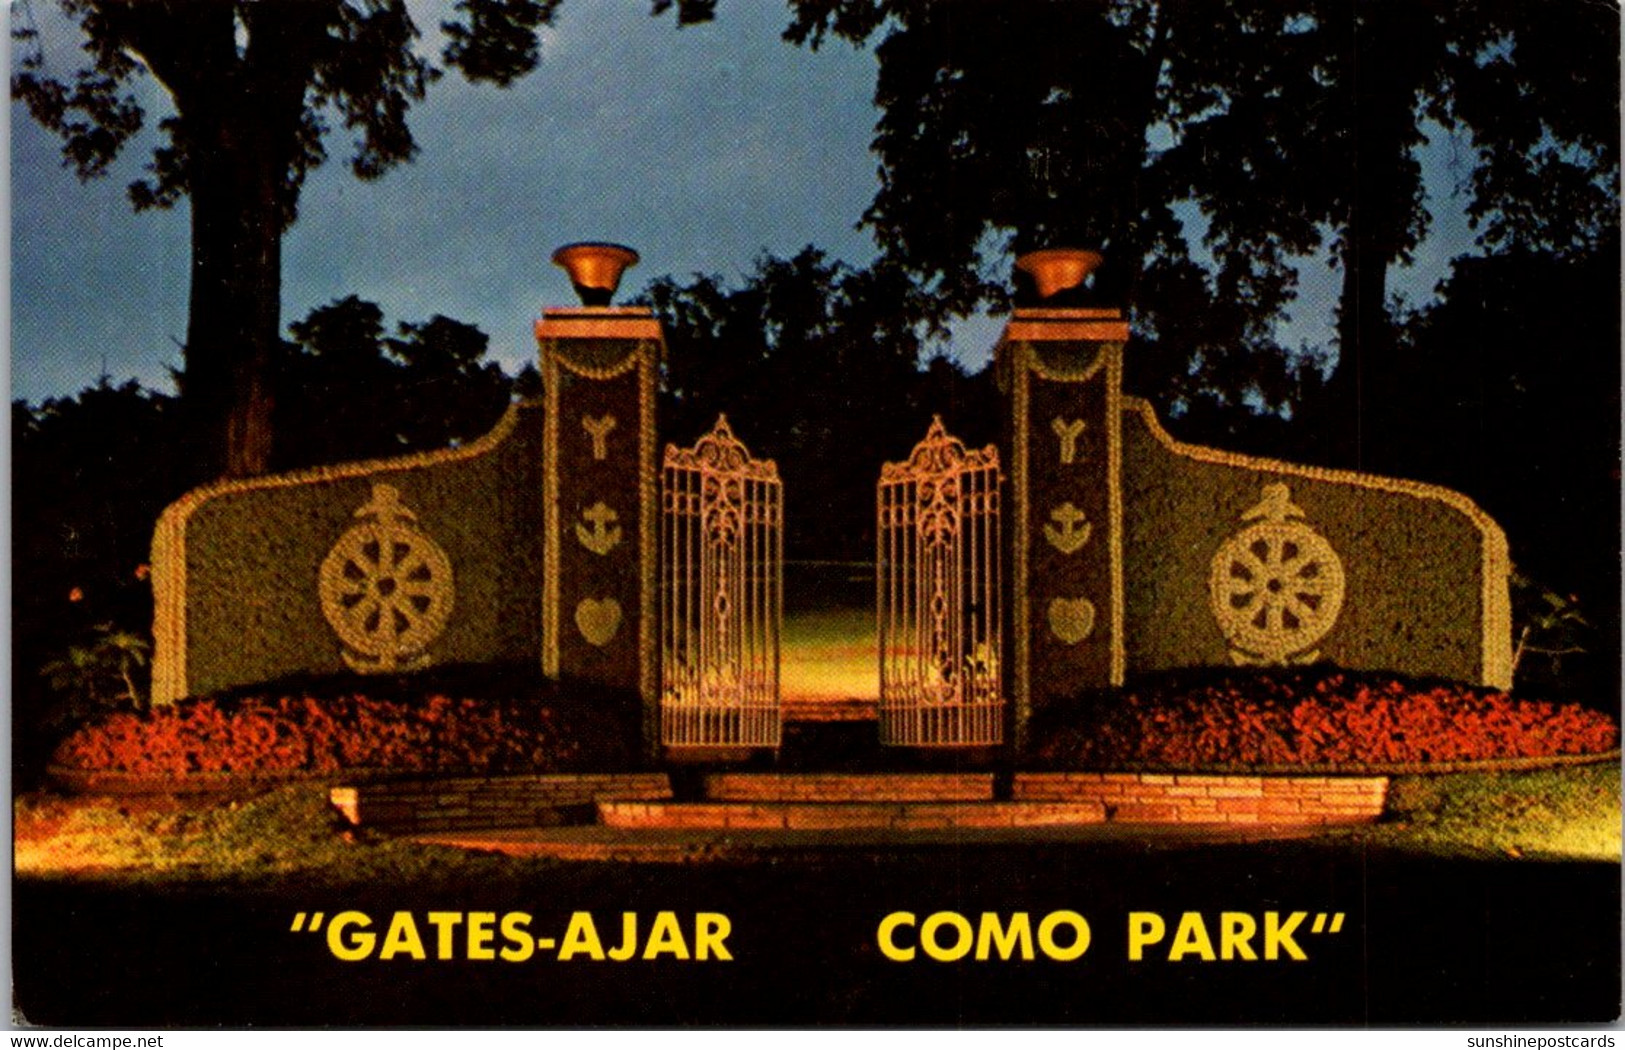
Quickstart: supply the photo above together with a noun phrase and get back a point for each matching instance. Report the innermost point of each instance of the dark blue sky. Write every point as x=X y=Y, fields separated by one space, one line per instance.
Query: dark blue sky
x=701 y=148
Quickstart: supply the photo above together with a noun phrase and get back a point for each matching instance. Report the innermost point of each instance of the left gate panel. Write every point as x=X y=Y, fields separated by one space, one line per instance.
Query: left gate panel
x=722 y=586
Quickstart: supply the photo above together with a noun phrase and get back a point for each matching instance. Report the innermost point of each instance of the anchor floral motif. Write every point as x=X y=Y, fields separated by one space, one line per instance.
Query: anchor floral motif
x=604 y=534
x=1276 y=586
x=1069 y=538
x=385 y=587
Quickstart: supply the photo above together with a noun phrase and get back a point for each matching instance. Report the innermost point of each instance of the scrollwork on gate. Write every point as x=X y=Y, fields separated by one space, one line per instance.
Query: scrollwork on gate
x=939 y=623
x=722 y=587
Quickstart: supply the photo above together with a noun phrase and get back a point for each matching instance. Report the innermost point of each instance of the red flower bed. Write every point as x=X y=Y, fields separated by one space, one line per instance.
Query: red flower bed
x=1304 y=719
x=306 y=734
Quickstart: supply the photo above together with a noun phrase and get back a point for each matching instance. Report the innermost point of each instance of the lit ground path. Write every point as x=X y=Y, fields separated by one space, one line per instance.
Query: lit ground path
x=828 y=666
x=1464 y=929
x=682 y=846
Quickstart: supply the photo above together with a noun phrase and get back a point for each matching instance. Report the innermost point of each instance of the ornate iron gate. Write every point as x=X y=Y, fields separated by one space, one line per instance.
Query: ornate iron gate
x=721 y=595
x=938 y=583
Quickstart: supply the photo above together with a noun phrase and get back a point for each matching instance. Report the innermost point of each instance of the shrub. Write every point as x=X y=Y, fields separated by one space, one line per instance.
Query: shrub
x=99 y=676
x=1315 y=718
x=262 y=736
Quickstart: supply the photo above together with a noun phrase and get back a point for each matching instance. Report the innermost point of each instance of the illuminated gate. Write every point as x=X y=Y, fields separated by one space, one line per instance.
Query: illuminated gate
x=937 y=545
x=721 y=595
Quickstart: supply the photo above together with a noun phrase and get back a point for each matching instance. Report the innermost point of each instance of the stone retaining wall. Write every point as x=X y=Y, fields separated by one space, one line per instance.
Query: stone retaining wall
x=1205 y=799
x=833 y=801
x=490 y=802
x=849 y=787
x=808 y=816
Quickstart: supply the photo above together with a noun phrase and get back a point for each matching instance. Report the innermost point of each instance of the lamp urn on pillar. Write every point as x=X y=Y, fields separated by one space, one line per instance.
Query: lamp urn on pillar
x=1061 y=371
x=599 y=483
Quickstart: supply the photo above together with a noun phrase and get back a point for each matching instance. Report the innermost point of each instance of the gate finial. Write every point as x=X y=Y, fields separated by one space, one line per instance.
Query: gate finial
x=1057 y=269
x=595 y=268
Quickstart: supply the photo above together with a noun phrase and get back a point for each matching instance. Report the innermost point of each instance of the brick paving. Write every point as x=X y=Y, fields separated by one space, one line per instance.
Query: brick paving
x=683 y=846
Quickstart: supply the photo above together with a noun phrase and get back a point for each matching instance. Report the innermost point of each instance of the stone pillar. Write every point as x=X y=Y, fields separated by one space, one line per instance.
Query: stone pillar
x=600 y=499
x=1061 y=370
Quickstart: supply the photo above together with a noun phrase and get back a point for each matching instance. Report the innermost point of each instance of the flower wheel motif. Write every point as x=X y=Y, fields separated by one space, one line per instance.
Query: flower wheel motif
x=386 y=587
x=1276 y=586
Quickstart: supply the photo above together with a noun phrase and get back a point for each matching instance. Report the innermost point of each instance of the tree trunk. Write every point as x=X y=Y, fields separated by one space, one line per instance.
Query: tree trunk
x=235 y=315
x=1381 y=222
x=1363 y=335
x=240 y=106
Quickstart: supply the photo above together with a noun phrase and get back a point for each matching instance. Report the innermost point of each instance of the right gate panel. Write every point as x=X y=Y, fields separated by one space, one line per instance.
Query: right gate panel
x=938 y=583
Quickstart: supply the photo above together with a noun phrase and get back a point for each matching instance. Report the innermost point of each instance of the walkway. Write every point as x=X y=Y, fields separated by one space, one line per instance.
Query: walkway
x=690 y=845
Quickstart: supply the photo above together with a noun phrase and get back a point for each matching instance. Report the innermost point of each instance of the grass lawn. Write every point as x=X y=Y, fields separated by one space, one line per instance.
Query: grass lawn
x=1484 y=898
x=288 y=834
x=1571 y=813
x=829 y=654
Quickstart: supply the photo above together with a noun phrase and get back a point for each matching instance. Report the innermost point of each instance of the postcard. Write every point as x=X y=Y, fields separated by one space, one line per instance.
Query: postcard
x=847 y=514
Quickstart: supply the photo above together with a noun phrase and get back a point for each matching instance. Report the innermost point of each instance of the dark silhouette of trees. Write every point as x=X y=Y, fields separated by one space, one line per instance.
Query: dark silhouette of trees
x=1009 y=127
x=1535 y=90
x=425 y=387
x=92 y=472
x=256 y=89
x=1286 y=128
x=816 y=365
x=1507 y=388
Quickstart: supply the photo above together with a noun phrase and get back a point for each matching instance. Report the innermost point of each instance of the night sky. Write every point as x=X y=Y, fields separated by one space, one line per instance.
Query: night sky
x=701 y=147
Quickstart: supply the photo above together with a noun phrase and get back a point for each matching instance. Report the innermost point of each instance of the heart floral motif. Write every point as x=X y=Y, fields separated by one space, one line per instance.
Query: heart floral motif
x=598 y=619
x=1071 y=619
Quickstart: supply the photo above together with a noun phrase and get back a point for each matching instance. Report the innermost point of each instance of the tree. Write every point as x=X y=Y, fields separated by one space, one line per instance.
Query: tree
x=1534 y=88
x=1282 y=127
x=90 y=474
x=1508 y=388
x=256 y=88
x=346 y=390
x=982 y=156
